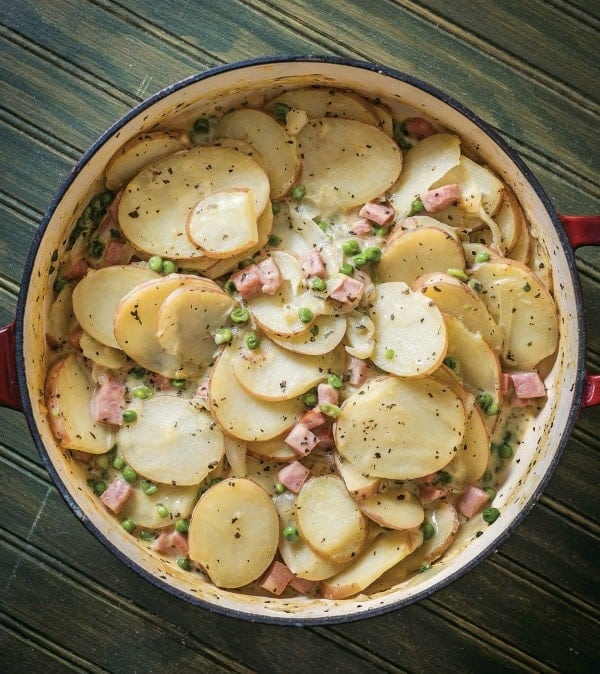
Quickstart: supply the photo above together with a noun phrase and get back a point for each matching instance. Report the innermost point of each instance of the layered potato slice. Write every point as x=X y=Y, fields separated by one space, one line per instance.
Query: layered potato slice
x=156 y=203
x=523 y=308
x=275 y=449
x=68 y=395
x=400 y=428
x=136 y=324
x=142 y=508
x=410 y=335
x=97 y=295
x=454 y=297
x=385 y=552
x=141 y=150
x=325 y=333
x=335 y=154
x=243 y=415
x=419 y=251
x=359 y=486
x=234 y=532
x=473 y=454
x=329 y=520
x=171 y=441
x=271 y=372
x=99 y=353
x=276 y=147
x=394 y=508
x=188 y=318
x=424 y=164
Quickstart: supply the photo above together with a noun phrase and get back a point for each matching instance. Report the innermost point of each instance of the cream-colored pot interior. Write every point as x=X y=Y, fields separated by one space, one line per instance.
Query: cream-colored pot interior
x=538 y=452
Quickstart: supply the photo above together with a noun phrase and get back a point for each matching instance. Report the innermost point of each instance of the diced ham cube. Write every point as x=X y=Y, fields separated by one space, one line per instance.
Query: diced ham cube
x=302 y=585
x=258 y=278
x=325 y=435
x=528 y=385
x=108 y=402
x=113 y=253
x=180 y=542
x=346 y=290
x=167 y=540
x=270 y=276
x=277 y=578
x=116 y=495
x=313 y=418
x=162 y=383
x=327 y=395
x=440 y=197
x=362 y=227
x=472 y=501
x=429 y=493
x=162 y=542
x=312 y=265
x=75 y=269
x=301 y=439
x=505 y=383
x=419 y=127
x=379 y=213
x=85 y=457
x=293 y=476
x=357 y=371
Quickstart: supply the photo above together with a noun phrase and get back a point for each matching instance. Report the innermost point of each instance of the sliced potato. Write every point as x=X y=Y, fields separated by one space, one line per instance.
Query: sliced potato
x=473 y=454
x=325 y=333
x=235 y=453
x=187 y=320
x=424 y=164
x=68 y=393
x=299 y=557
x=276 y=147
x=136 y=323
x=234 y=532
x=400 y=428
x=96 y=296
x=359 y=486
x=142 y=508
x=271 y=450
x=522 y=249
x=523 y=308
x=385 y=552
x=394 y=508
x=490 y=187
x=329 y=520
x=360 y=335
x=454 y=297
x=223 y=223
x=243 y=415
x=99 y=353
x=171 y=441
x=60 y=316
x=241 y=146
x=265 y=472
x=420 y=251
x=510 y=220
x=156 y=204
x=273 y=373
x=410 y=336
x=140 y=151
x=335 y=152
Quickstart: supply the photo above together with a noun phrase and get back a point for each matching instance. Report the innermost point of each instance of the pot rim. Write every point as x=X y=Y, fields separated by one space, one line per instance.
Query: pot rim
x=284 y=619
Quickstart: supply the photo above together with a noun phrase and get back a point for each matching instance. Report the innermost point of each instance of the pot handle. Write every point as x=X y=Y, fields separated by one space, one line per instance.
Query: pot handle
x=584 y=230
x=9 y=387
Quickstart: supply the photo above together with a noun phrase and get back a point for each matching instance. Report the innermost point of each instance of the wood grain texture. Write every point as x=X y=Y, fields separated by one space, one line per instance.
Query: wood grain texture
x=68 y=70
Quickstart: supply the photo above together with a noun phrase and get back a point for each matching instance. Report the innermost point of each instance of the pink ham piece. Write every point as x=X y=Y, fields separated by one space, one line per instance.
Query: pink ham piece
x=429 y=493
x=108 y=402
x=277 y=578
x=325 y=435
x=440 y=197
x=162 y=383
x=346 y=290
x=74 y=338
x=472 y=501
x=75 y=269
x=528 y=385
x=327 y=395
x=313 y=418
x=302 y=585
x=257 y=278
x=113 y=253
x=379 y=213
x=312 y=265
x=505 y=382
x=362 y=227
x=293 y=476
x=357 y=371
x=301 y=439
x=419 y=127
x=168 y=540
x=269 y=275
x=116 y=495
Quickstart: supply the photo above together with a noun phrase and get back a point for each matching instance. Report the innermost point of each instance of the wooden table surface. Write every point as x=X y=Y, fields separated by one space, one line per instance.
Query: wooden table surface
x=69 y=69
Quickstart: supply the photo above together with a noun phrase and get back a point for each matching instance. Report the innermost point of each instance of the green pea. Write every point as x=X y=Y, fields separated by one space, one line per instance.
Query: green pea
x=389 y=354
x=359 y=260
x=372 y=253
x=148 y=536
x=291 y=534
x=118 y=462
x=310 y=398
x=102 y=462
x=484 y=400
x=424 y=567
x=457 y=273
x=505 y=451
x=279 y=488
x=318 y=284
x=99 y=487
x=142 y=392
x=280 y=111
x=347 y=269
x=201 y=125
x=252 y=341
x=240 y=315
x=428 y=530
x=274 y=240
x=380 y=230
x=451 y=362
x=351 y=247
x=149 y=488
x=246 y=263
x=184 y=563
x=223 y=336
x=491 y=492
x=182 y=526
x=323 y=224
x=475 y=285
x=487 y=476
x=330 y=410
x=305 y=314
x=229 y=287
x=336 y=381
x=416 y=207
x=168 y=267
x=128 y=525
x=129 y=416
x=59 y=283
x=482 y=256
x=162 y=510
x=490 y=515
x=155 y=263
x=106 y=198
x=179 y=383
x=276 y=207
x=129 y=474
x=96 y=204
x=137 y=372
x=444 y=477
x=492 y=409
x=298 y=192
